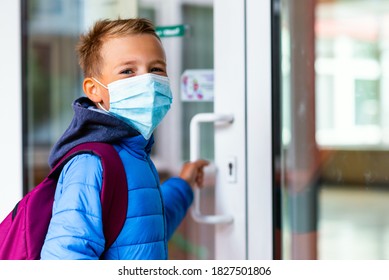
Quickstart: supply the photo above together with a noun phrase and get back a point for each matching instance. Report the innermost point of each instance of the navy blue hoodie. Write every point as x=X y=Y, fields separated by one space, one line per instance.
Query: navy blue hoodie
x=89 y=126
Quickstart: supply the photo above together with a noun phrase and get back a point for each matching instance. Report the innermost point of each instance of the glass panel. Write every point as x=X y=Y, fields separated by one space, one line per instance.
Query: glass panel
x=198 y=54
x=52 y=78
x=335 y=129
x=193 y=240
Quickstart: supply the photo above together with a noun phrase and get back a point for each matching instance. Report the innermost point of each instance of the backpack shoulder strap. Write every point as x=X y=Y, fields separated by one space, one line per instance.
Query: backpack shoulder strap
x=114 y=193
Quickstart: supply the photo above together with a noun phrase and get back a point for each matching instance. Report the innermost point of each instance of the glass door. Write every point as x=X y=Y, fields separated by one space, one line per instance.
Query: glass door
x=334 y=140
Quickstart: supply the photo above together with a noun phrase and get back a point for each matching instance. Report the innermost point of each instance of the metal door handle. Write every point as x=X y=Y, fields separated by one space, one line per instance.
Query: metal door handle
x=195 y=155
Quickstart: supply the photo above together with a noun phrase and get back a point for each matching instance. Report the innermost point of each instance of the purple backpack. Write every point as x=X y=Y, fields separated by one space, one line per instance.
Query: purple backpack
x=23 y=231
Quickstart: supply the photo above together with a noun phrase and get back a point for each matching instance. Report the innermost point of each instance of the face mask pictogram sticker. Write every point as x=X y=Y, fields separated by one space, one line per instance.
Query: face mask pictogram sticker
x=197 y=85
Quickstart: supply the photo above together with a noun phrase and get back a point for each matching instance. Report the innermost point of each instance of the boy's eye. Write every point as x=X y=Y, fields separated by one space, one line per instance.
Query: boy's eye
x=157 y=69
x=127 y=72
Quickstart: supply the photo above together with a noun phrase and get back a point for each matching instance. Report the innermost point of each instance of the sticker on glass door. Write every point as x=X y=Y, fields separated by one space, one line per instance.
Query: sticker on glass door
x=197 y=85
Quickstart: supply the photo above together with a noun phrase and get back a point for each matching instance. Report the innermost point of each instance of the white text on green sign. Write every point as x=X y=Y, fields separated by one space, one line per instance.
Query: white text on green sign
x=170 y=31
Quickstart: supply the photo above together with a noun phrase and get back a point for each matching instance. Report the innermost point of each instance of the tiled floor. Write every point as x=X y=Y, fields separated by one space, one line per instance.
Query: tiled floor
x=353 y=223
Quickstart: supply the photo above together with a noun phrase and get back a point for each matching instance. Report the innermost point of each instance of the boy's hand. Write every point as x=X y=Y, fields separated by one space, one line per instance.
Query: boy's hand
x=193 y=172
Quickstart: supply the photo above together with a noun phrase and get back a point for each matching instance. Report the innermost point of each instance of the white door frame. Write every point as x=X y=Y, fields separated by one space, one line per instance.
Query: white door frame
x=259 y=129
x=243 y=88
x=11 y=187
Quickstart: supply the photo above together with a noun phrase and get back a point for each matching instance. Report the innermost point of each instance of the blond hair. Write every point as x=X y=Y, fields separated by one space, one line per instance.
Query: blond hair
x=90 y=44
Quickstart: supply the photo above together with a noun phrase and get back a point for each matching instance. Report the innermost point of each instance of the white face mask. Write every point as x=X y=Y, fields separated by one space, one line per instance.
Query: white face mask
x=141 y=101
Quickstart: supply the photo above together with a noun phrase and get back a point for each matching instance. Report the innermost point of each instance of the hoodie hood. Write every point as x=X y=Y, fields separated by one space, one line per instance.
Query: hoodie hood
x=89 y=125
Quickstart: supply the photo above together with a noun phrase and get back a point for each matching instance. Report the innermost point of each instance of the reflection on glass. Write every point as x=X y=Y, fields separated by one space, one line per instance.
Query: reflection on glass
x=335 y=129
x=52 y=78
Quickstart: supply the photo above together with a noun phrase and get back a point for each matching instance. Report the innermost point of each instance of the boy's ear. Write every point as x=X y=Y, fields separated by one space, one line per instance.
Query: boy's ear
x=92 y=90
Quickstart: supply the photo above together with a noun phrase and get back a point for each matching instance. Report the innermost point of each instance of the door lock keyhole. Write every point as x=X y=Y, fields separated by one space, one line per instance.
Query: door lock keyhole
x=231 y=170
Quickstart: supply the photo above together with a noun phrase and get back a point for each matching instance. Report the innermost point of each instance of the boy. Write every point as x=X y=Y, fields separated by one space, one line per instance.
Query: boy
x=128 y=94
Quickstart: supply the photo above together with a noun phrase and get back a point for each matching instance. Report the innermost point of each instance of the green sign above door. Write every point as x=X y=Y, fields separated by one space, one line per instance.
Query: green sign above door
x=171 y=31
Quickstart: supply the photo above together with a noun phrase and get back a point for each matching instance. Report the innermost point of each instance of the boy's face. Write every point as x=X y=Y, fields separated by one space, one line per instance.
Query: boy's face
x=125 y=57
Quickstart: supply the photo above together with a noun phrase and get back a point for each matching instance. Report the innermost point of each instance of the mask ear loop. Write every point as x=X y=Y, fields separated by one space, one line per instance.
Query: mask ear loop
x=102 y=108
x=100 y=83
x=99 y=104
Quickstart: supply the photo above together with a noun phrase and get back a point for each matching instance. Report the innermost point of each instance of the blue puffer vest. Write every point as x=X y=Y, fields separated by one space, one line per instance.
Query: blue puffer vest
x=153 y=213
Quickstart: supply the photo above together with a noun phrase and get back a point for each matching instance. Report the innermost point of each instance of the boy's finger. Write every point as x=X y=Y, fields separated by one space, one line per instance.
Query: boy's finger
x=200 y=163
